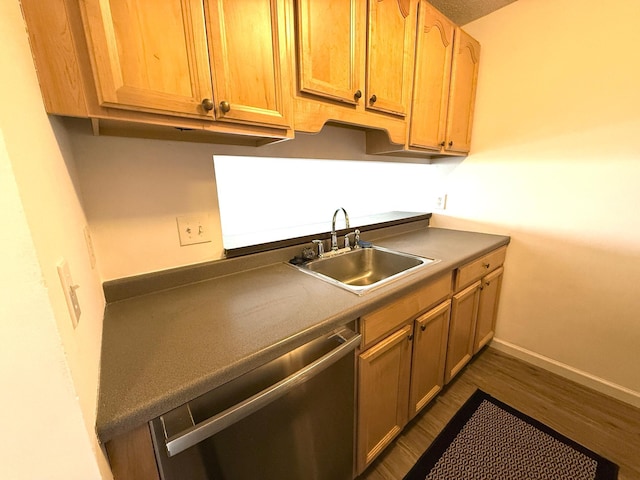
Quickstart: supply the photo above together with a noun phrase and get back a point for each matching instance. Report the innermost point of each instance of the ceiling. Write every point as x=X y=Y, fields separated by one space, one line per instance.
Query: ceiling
x=462 y=12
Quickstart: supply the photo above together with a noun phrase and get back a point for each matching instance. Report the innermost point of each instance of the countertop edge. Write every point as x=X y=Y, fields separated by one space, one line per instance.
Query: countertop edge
x=116 y=424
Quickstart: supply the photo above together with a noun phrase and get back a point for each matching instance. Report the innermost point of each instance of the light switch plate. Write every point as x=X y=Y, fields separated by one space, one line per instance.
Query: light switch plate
x=194 y=229
x=69 y=289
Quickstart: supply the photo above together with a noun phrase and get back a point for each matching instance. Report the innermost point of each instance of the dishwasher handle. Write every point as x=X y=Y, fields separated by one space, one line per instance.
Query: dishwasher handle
x=197 y=433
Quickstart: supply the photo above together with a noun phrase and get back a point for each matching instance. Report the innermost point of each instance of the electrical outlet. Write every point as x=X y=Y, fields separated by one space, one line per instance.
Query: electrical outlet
x=441 y=201
x=193 y=229
x=69 y=289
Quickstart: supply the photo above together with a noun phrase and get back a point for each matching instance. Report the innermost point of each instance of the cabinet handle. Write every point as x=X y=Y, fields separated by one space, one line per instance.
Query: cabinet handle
x=207 y=104
x=410 y=337
x=486 y=265
x=487 y=283
x=224 y=106
x=373 y=99
x=357 y=95
x=442 y=143
x=451 y=143
x=423 y=327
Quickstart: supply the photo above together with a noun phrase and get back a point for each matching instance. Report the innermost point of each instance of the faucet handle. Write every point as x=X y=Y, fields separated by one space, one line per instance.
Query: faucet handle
x=320 y=246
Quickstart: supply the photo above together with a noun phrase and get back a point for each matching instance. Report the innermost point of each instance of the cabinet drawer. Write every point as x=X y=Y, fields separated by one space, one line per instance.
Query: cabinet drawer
x=388 y=318
x=469 y=273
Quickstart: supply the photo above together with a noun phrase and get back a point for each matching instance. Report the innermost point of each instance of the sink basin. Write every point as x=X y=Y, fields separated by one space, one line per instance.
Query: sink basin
x=363 y=269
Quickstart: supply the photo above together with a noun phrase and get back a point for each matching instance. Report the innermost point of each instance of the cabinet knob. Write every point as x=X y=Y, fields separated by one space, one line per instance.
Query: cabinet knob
x=410 y=337
x=451 y=143
x=207 y=104
x=357 y=95
x=373 y=99
x=486 y=265
x=423 y=327
x=224 y=106
x=442 y=143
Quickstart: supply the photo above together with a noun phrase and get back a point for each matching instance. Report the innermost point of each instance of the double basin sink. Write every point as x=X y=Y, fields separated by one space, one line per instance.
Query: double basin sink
x=360 y=270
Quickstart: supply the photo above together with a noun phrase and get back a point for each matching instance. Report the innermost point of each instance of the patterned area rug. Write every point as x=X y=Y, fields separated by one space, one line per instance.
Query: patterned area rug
x=489 y=440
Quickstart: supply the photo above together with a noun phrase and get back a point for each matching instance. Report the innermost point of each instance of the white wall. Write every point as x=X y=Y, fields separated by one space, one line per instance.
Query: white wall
x=49 y=370
x=133 y=190
x=556 y=164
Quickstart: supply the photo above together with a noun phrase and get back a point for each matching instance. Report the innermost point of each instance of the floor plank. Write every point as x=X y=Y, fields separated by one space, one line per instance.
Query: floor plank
x=605 y=425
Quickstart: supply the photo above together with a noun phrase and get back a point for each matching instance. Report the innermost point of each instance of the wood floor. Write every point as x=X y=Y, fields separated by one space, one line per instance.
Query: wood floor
x=607 y=426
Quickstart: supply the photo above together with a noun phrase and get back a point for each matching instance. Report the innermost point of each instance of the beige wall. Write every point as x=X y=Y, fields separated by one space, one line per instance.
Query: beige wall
x=49 y=370
x=556 y=164
x=43 y=433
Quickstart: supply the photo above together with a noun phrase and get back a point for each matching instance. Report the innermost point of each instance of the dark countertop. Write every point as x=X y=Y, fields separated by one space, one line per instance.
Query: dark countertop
x=162 y=349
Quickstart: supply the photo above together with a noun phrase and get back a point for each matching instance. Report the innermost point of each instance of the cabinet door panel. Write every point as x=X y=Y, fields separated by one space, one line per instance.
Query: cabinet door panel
x=488 y=309
x=464 y=309
x=390 y=46
x=464 y=77
x=149 y=55
x=248 y=50
x=429 y=356
x=431 y=79
x=383 y=394
x=330 y=35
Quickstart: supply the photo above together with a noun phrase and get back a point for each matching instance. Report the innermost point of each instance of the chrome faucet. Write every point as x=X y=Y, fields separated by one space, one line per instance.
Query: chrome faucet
x=334 y=236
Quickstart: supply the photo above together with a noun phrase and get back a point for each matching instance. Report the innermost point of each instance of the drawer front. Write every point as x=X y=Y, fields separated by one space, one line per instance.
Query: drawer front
x=469 y=273
x=383 y=321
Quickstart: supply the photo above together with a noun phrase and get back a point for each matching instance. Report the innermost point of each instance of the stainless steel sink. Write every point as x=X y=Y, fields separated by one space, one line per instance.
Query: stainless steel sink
x=363 y=269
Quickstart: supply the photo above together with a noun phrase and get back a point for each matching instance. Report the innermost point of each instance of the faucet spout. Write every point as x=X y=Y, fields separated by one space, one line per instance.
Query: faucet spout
x=334 y=236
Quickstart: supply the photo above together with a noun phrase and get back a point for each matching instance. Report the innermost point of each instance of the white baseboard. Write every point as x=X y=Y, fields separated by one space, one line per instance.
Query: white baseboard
x=583 y=378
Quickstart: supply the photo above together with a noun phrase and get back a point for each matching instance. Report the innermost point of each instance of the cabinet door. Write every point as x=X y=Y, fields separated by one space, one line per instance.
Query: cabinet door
x=330 y=39
x=464 y=77
x=429 y=356
x=487 y=309
x=431 y=79
x=149 y=55
x=383 y=394
x=390 y=47
x=248 y=50
x=464 y=309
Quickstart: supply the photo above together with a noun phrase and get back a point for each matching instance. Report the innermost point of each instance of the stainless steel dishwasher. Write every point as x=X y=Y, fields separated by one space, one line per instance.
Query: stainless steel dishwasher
x=292 y=418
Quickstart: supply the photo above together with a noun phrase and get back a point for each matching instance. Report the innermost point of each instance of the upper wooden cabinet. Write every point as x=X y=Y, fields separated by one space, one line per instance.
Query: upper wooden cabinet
x=432 y=76
x=183 y=57
x=390 y=44
x=329 y=40
x=149 y=55
x=248 y=50
x=462 y=96
x=215 y=65
x=443 y=93
x=355 y=63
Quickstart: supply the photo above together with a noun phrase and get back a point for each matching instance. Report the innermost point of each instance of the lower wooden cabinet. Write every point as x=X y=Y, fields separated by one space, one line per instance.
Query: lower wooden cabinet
x=131 y=455
x=474 y=307
x=464 y=309
x=383 y=389
x=431 y=331
x=487 y=308
x=400 y=373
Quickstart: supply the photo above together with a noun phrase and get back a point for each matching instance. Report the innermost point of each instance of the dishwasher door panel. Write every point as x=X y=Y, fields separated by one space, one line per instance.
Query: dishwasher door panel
x=306 y=433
